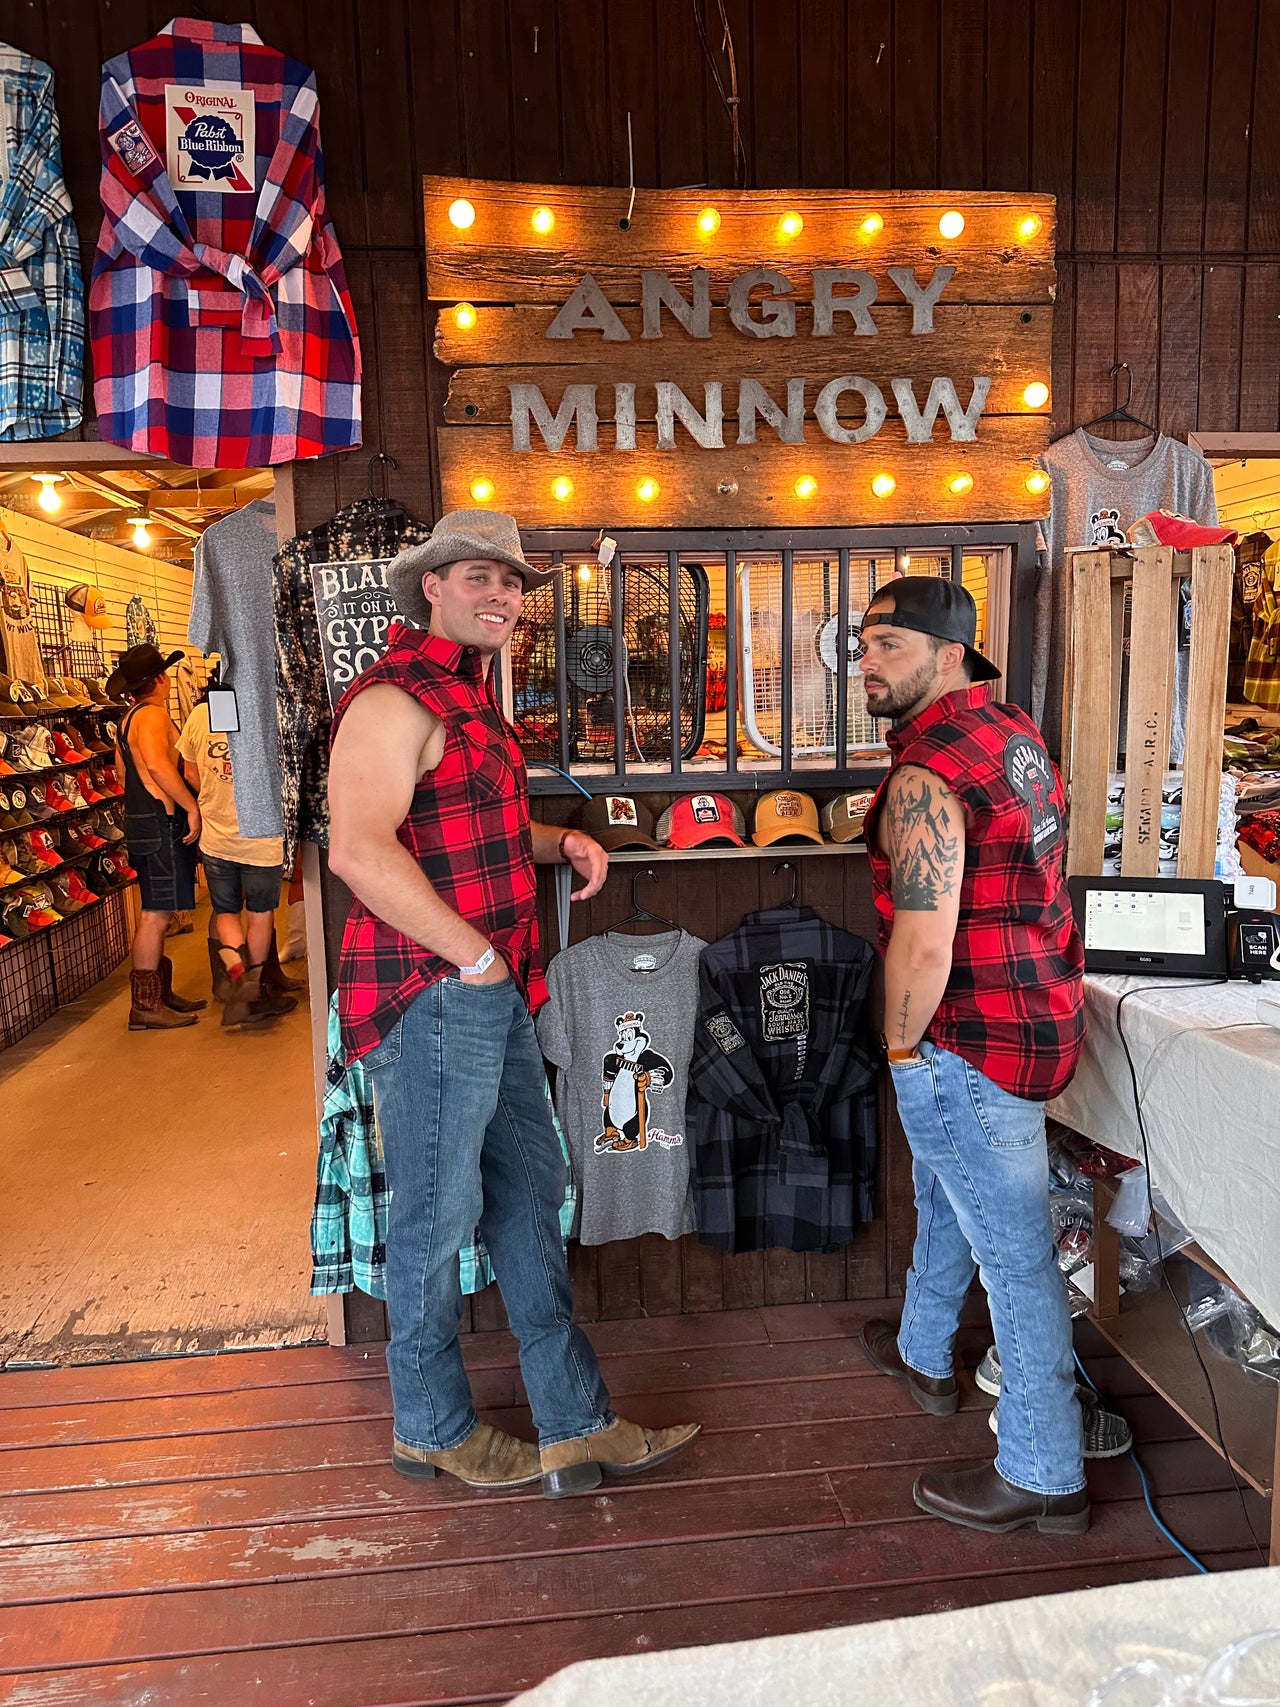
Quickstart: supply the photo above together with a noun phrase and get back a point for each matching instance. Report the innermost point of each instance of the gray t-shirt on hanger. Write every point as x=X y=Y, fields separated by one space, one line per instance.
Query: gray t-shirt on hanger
x=1100 y=488
x=619 y=1027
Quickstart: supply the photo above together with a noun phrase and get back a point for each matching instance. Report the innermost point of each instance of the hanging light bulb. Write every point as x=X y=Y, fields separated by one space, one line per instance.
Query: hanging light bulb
x=465 y=316
x=1030 y=227
x=951 y=224
x=543 y=220
x=883 y=485
x=872 y=225
x=960 y=484
x=1037 y=481
x=806 y=486
x=462 y=214
x=1036 y=395
x=584 y=574
x=708 y=222
x=562 y=488
x=791 y=225
x=647 y=490
x=482 y=490
x=49 y=499
x=141 y=538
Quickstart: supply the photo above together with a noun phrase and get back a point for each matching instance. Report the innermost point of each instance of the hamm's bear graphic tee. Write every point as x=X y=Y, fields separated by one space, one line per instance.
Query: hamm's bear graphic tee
x=619 y=1027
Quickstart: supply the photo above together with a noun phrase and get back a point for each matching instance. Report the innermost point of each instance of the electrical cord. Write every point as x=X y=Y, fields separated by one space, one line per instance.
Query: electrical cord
x=1164 y=1275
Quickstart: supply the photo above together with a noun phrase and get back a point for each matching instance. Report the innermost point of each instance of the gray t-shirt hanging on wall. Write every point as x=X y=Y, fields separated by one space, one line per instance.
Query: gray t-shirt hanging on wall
x=1100 y=488
x=619 y=1027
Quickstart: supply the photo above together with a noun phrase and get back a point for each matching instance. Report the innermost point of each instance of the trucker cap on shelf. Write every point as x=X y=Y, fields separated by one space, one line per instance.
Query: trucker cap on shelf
x=784 y=814
x=843 y=817
x=618 y=821
x=694 y=820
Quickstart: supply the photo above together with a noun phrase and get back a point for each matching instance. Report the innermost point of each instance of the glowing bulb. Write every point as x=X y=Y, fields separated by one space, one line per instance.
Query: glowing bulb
x=562 y=487
x=791 y=225
x=708 y=222
x=584 y=574
x=1030 y=227
x=482 y=490
x=1036 y=395
x=462 y=214
x=647 y=491
x=49 y=499
x=464 y=316
x=883 y=484
x=872 y=225
x=951 y=224
x=960 y=484
x=543 y=220
x=806 y=486
x=906 y=561
x=141 y=538
x=1037 y=481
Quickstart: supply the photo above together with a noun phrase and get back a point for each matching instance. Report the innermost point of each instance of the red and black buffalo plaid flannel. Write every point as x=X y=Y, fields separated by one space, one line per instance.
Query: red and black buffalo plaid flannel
x=1014 y=1004
x=468 y=828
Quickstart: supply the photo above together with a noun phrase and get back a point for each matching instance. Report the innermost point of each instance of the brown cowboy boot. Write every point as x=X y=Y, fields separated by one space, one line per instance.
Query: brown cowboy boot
x=179 y=1004
x=147 y=1011
x=487 y=1459
x=246 y=1004
x=222 y=980
x=622 y=1449
x=274 y=976
x=275 y=1001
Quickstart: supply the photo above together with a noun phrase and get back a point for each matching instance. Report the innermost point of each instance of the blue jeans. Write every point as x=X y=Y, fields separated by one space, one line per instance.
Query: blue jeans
x=981 y=1175
x=460 y=1093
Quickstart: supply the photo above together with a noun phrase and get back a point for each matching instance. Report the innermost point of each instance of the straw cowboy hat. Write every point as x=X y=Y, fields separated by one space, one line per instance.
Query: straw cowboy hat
x=457 y=536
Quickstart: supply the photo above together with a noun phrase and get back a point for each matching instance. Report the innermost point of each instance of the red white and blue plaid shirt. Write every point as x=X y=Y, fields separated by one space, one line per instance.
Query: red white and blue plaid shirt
x=221 y=323
x=1014 y=1003
x=467 y=827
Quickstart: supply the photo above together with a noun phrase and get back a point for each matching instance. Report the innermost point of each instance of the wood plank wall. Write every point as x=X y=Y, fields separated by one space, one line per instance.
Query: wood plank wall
x=1154 y=122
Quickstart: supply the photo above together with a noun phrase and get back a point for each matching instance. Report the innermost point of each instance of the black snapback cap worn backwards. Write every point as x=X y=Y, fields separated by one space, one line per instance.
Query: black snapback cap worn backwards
x=930 y=604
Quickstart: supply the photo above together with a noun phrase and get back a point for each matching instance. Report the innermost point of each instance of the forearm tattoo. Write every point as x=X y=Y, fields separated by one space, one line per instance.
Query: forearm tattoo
x=924 y=843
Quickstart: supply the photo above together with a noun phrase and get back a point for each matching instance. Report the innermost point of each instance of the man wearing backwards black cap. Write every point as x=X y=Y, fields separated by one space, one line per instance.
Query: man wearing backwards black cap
x=984 y=1022
x=162 y=826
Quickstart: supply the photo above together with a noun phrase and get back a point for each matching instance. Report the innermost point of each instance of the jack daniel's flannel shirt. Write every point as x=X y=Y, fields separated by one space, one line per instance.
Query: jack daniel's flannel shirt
x=222 y=326
x=41 y=297
x=468 y=828
x=1014 y=1003
x=781 y=1106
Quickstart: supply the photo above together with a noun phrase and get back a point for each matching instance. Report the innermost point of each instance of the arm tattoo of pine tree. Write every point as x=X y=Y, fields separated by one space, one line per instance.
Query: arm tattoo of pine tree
x=925 y=847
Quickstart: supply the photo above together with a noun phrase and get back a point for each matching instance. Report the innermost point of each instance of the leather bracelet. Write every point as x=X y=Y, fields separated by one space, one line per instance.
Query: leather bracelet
x=564 y=860
x=896 y=1056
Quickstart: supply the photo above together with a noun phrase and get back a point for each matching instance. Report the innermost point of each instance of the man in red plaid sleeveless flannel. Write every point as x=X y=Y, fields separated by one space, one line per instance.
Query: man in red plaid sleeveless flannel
x=431 y=830
x=983 y=1022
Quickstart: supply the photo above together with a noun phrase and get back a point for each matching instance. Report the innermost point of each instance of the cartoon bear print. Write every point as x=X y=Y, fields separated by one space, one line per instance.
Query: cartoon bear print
x=630 y=1071
x=1105 y=529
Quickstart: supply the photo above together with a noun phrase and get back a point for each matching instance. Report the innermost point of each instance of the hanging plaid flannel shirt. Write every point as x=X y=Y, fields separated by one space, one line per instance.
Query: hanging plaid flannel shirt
x=41 y=296
x=223 y=332
x=368 y=531
x=349 y=1220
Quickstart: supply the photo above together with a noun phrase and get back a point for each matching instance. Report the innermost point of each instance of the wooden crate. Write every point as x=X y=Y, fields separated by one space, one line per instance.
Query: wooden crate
x=1098 y=584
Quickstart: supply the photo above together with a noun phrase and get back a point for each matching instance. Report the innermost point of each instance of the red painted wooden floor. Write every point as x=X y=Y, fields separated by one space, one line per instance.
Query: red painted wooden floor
x=227 y=1530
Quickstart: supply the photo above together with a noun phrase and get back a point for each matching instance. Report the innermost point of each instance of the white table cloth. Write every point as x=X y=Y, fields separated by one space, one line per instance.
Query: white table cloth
x=1209 y=1078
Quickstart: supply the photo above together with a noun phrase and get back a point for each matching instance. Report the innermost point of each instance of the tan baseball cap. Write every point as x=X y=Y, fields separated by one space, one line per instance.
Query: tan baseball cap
x=784 y=815
x=843 y=817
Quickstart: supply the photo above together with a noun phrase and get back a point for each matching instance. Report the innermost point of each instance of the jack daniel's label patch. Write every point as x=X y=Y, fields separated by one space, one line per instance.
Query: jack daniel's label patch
x=1030 y=774
x=784 y=1000
x=725 y=1033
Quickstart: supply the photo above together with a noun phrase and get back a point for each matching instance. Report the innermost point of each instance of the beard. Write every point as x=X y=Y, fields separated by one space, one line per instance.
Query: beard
x=898 y=702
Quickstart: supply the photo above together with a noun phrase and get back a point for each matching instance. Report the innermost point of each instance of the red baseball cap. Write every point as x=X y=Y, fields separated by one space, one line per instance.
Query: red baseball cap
x=696 y=819
x=1183 y=533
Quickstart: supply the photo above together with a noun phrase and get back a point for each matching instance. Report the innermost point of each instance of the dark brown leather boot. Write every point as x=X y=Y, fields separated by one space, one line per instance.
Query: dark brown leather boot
x=623 y=1449
x=982 y=1499
x=274 y=976
x=940 y=1397
x=147 y=1011
x=488 y=1459
x=274 y=1001
x=179 y=1004
x=218 y=969
x=245 y=1004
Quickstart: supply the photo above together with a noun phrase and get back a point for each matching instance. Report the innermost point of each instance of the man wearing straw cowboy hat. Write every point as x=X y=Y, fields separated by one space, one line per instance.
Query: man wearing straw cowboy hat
x=430 y=828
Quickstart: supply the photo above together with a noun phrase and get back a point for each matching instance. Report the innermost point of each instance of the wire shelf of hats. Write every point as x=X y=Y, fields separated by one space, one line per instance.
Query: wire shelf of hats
x=55 y=963
x=729 y=661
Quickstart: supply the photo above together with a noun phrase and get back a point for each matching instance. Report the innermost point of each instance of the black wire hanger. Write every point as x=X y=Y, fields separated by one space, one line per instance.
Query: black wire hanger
x=1122 y=411
x=639 y=914
x=792 y=899
x=388 y=464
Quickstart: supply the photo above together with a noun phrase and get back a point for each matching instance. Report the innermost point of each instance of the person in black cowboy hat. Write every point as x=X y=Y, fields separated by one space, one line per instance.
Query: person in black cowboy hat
x=162 y=827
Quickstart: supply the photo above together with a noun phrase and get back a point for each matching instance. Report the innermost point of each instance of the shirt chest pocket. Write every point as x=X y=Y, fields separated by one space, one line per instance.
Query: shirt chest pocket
x=484 y=759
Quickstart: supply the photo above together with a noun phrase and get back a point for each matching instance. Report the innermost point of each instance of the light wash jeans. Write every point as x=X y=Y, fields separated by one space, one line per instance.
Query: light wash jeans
x=981 y=1173
x=460 y=1093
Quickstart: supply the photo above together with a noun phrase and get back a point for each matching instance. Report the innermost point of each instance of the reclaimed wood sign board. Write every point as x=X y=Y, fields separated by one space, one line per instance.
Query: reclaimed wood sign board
x=729 y=359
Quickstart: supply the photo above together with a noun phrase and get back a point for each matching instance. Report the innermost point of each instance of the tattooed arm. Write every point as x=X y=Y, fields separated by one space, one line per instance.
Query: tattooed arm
x=922 y=830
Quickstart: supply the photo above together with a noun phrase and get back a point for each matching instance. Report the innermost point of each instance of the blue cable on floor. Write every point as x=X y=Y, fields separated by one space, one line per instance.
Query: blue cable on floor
x=1146 y=1493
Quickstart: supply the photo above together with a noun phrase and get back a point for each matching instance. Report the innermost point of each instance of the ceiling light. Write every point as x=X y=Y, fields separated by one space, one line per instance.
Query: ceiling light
x=141 y=538
x=462 y=214
x=48 y=499
x=951 y=224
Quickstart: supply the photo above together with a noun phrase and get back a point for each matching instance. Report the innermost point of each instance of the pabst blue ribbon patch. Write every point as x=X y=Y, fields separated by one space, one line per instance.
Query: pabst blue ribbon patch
x=209 y=138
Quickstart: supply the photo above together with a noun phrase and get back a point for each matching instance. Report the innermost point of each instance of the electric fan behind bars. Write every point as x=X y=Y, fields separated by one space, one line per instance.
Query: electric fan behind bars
x=589 y=664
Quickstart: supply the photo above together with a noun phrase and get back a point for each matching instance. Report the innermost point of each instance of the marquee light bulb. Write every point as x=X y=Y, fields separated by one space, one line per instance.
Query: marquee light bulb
x=465 y=316
x=647 y=491
x=1030 y=227
x=543 y=220
x=883 y=485
x=482 y=490
x=1037 y=481
x=872 y=225
x=708 y=222
x=562 y=487
x=49 y=499
x=462 y=214
x=1036 y=395
x=806 y=486
x=951 y=224
x=791 y=225
x=141 y=538
x=960 y=484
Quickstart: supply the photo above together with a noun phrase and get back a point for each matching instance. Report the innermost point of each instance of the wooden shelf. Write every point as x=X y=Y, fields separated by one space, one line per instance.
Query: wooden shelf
x=641 y=856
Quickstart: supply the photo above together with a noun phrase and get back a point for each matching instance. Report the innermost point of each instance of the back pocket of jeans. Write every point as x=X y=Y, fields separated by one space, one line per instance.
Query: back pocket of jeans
x=1010 y=1122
